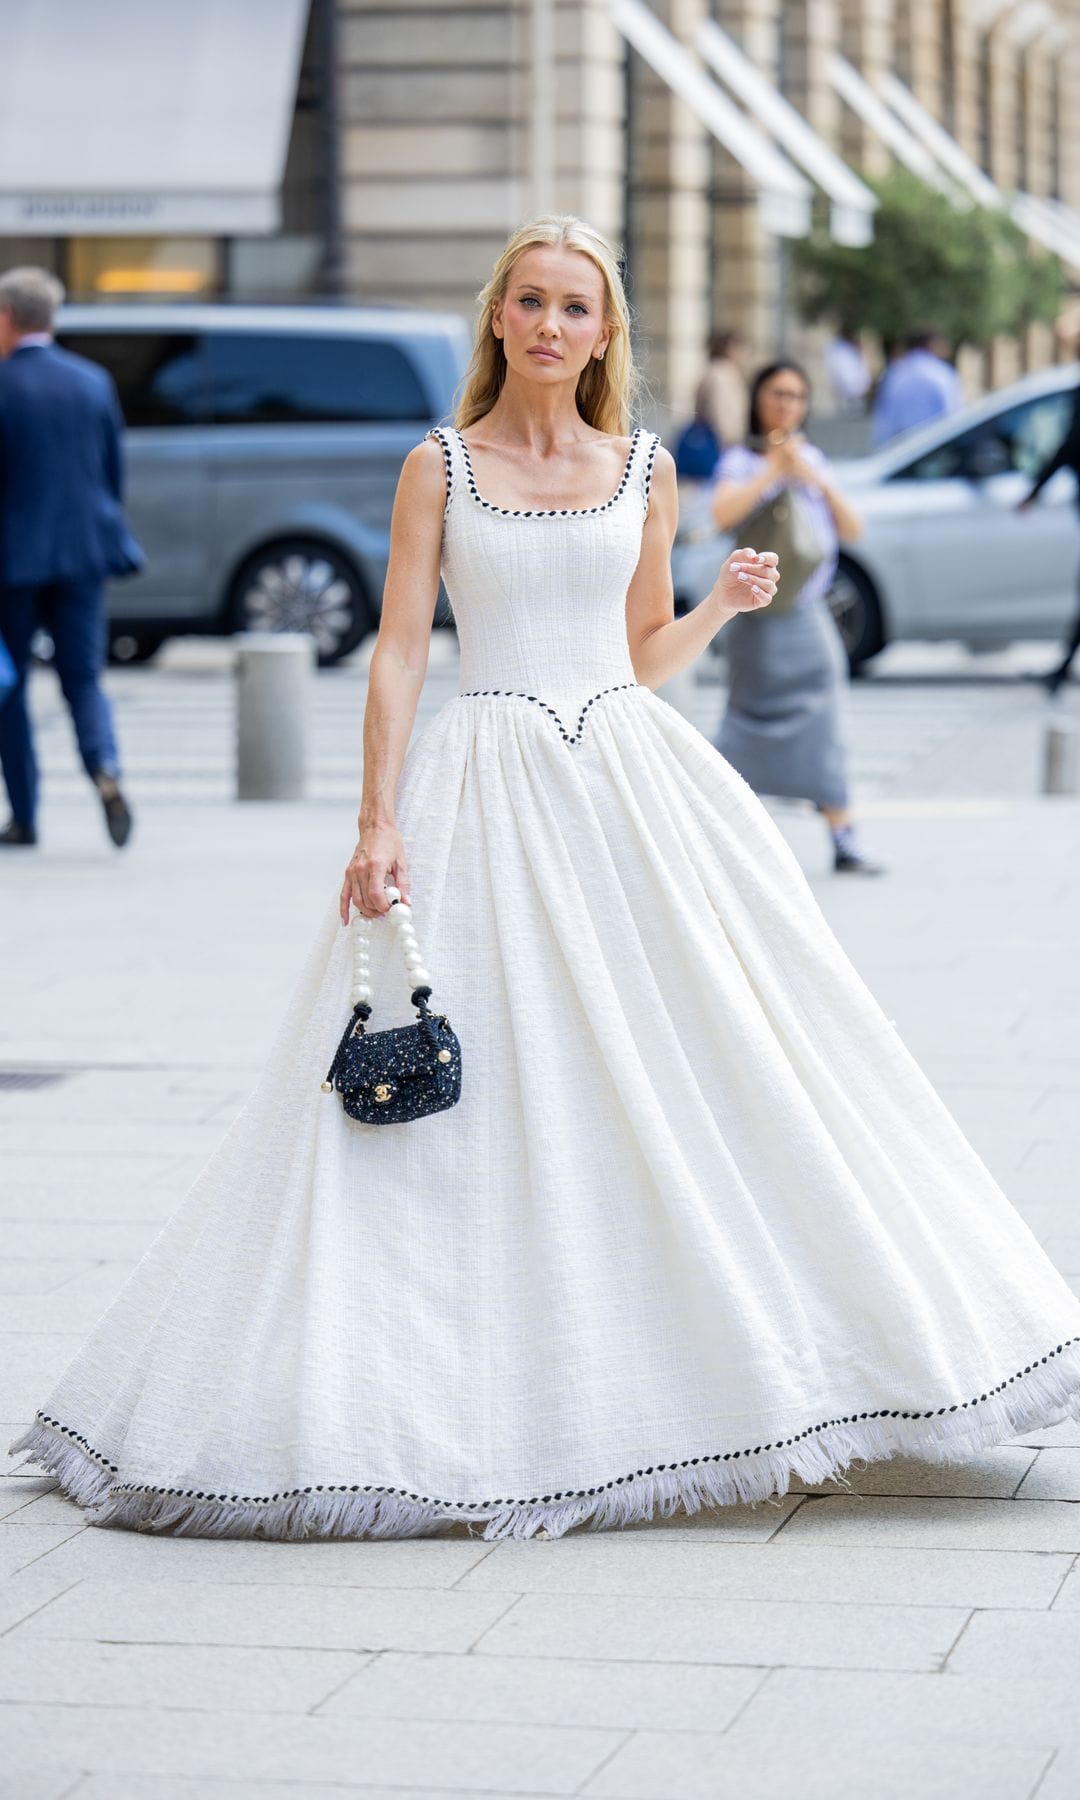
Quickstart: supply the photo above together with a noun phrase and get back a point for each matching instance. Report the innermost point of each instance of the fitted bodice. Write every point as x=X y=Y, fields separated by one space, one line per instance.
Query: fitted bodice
x=539 y=594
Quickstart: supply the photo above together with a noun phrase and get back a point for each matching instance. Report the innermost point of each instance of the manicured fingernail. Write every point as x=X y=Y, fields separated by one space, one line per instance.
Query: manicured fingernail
x=744 y=577
x=737 y=566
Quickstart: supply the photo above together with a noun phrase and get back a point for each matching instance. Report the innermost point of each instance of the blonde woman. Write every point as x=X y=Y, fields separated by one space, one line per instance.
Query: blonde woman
x=696 y=1224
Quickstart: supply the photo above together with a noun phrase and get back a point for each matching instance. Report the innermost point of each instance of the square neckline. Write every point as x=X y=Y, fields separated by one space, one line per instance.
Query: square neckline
x=542 y=512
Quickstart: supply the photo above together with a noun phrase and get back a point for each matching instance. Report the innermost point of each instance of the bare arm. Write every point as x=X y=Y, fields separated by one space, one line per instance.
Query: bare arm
x=660 y=644
x=398 y=666
x=846 y=519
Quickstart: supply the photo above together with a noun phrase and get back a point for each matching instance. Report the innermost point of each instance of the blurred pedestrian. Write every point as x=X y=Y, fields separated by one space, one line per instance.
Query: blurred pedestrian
x=787 y=664
x=1066 y=456
x=721 y=396
x=918 y=385
x=62 y=532
x=848 y=372
x=8 y=675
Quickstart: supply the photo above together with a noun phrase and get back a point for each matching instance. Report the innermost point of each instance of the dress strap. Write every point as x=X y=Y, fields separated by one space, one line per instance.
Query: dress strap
x=645 y=449
x=447 y=436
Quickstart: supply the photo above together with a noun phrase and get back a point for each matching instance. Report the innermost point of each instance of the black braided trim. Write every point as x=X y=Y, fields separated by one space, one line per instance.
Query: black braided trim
x=467 y=1506
x=437 y=433
x=519 y=694
x=548 y=512
x=650 y=459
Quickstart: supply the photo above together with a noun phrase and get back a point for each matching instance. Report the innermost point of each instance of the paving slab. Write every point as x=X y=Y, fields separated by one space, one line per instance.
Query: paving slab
x=539 y=1690
x=753 y=1633
x=37 y=1783
x=660 y=1765
x=785 y=1570
x=283 y=1617
x=25 y=1547
x=466 y=1758
x=998 y=1643
x=425 y=1563
x=1013 y=1707
x=198 y=1678
x=940 y=1524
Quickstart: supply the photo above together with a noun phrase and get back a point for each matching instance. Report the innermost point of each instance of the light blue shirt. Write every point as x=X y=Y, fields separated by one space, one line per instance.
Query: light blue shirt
x=917 y=387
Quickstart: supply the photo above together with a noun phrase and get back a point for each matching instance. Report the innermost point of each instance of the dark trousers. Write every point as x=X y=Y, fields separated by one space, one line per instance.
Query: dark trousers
x=1072 y=644
x=73 y=613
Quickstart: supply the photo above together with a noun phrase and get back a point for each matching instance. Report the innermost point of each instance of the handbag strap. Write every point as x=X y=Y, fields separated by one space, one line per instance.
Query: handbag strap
x=360 y=997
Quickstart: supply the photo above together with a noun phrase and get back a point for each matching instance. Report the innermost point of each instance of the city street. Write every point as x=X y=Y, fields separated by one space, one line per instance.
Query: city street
x=918 y=1636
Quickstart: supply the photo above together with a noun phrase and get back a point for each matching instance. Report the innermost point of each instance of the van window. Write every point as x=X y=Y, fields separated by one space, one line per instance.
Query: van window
x=160 y=376
x=263 y=378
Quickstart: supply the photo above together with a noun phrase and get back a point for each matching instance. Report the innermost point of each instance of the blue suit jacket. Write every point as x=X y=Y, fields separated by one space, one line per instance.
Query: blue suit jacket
x=61 y=471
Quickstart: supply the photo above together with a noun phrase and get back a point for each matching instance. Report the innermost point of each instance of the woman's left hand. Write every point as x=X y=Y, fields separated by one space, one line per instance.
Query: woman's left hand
x=746 y=581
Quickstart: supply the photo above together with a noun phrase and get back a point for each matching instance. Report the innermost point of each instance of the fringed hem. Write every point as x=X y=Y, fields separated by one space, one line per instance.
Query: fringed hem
x=1043 y=1395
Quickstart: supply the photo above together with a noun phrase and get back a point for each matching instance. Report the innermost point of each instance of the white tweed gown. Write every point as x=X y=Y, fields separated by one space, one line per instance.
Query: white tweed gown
x=698 y=1222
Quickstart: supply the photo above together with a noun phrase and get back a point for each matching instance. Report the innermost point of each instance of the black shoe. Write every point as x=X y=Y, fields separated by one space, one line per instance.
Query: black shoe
x=14 y=834
x=118 y=819
x=854 y=862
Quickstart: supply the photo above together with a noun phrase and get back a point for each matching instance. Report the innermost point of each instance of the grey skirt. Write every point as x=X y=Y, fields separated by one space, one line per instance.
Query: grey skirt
x=783 y=726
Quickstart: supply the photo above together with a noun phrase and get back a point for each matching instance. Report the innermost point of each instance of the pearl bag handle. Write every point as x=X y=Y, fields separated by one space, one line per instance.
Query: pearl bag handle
x=401 y=914
x=360 y=998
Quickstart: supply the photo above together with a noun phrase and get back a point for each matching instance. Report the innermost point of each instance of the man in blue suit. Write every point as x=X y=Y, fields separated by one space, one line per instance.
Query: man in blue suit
x=62 y=532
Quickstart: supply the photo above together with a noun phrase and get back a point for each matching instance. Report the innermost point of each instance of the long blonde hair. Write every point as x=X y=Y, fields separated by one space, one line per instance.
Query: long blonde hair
x=609 y=388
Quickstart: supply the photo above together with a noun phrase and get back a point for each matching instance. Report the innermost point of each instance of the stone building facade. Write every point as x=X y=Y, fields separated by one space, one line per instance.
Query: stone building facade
x=440 y=160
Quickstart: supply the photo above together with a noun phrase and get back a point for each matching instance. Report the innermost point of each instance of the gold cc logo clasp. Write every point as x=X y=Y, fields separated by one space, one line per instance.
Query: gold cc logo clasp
x=383 y=1091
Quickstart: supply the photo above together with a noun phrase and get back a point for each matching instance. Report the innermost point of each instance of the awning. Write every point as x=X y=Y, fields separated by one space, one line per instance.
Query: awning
x=146 y=119
x=875 y=115
x=784 y=195
x=1031 y=215
x=852 y=203
x=944 y=148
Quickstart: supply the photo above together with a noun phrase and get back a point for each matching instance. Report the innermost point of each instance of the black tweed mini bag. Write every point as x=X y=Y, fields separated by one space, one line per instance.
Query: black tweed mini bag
x=389 y=1077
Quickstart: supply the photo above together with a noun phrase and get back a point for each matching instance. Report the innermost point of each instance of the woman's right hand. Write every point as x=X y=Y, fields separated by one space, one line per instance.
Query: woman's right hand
x=379 y=859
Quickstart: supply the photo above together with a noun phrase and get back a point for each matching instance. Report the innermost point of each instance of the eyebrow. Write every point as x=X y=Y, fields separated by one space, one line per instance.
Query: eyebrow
x=535 y=285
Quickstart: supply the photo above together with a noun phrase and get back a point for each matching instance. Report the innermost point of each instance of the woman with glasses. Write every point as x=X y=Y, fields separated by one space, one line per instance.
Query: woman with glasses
x=783 y=727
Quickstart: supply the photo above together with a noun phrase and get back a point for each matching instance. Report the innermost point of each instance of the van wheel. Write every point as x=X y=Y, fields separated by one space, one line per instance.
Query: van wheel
x=301 y=584
x=854 y=605
x=134 y=646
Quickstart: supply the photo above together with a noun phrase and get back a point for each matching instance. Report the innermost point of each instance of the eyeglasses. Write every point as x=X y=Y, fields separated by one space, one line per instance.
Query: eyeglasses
x=785 y=394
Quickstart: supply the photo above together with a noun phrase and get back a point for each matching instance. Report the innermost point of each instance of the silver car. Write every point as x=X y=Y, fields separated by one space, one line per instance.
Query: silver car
x=944 y=553
x=263 y=450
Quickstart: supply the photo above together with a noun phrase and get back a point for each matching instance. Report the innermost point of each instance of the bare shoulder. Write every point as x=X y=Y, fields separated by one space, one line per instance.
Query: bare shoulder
x=424 y=473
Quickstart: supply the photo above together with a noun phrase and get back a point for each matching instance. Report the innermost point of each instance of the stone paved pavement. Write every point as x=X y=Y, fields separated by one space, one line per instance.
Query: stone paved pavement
x=920 y=1637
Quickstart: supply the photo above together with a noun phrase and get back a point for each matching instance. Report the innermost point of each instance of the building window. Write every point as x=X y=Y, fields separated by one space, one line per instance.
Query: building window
x=948 y=65
x=984 y=80
x=1021 y=119
x=902 y=47
x=1055 y=128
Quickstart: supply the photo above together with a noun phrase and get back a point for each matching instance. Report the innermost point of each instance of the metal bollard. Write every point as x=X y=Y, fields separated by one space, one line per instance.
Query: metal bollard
x=1059 y=759
x=273 y=690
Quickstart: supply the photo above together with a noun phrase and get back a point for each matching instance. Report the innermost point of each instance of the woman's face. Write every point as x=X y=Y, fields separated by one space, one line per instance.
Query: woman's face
x=555 y=302
x=782 y=402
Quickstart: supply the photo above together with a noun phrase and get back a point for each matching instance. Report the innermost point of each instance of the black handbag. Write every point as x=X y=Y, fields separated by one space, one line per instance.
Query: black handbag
x=389 y=1077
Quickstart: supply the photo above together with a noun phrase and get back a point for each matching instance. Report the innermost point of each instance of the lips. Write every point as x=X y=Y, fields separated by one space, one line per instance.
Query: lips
x=546 y=355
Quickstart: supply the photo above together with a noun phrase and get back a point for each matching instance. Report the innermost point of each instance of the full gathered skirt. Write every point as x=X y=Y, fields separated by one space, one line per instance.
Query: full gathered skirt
x=697 y=1225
